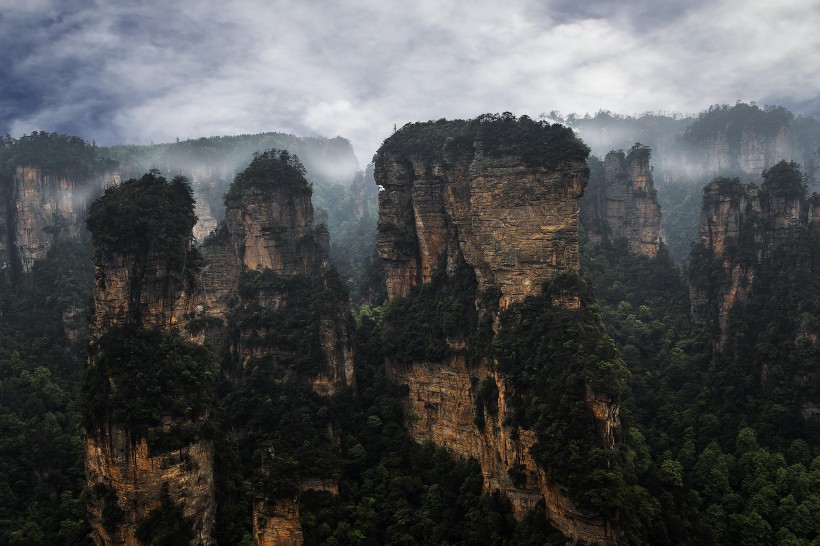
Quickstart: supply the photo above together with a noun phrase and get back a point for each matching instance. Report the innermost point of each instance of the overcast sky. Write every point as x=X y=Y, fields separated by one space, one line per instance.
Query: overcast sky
x=149 y=70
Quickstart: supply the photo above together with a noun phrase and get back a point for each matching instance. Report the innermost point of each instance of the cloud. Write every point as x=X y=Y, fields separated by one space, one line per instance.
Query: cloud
x=154 y=71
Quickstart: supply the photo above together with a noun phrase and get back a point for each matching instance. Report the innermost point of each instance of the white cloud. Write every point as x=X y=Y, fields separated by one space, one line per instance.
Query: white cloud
x=154 y=71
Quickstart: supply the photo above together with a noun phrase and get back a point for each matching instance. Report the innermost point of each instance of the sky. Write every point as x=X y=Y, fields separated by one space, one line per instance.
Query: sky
x=147 y=71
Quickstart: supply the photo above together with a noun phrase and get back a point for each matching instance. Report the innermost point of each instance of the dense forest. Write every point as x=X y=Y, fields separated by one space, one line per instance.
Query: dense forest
x=719 y=443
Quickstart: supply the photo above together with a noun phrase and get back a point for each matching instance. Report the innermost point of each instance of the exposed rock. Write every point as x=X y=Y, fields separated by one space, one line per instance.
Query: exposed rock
x=273 y=229
x=621 y=202
x=46 y=207
x=516 y=225
x=138 y=479
x=277 y=523
x=740 y=228
x=441 y=408
x=480 y=202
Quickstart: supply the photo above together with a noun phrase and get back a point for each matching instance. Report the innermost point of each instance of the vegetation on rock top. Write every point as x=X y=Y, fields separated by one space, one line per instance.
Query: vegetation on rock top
x=539 y=144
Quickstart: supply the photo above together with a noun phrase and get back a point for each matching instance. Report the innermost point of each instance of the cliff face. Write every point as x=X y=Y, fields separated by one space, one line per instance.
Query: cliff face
x=740 y=228
x=283 y=315
x=147 y=289
x=45 y=207
x=441 y=408
x=516 y=226
x=740 y=146
x=273 y=230
x=621 y=202
x=474 y=202
x=138 y=479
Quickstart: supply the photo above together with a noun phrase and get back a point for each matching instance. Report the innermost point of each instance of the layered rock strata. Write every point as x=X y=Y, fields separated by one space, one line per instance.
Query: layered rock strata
x=441 y=408
x=516 y=226
x=740 y=228
x=270 y=234
x=621 y=202
x=146 y=290
x=472 y=200
x=44 y=207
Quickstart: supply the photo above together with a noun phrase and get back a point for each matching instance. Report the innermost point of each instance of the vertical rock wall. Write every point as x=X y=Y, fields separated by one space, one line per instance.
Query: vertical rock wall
x=45 y=207
x=621 y=202
x=150 y=291
x=740 y=227
x=516 y=225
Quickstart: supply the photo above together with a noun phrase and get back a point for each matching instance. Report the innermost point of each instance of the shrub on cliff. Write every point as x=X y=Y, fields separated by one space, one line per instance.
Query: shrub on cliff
x=145 y=216
x=537 y=143
x=784 y=179
x=143 y=379
x=270 y=169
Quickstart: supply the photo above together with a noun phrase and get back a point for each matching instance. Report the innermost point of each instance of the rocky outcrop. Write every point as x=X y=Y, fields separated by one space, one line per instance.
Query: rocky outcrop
x=45 y=207
x=267 y=282
x=138 y=479
x=143 y=283
x=517 y=226
x=621 y=202
x=277 y=523
x=441 y=408
x=740 y=228
x=458 y=195
x=273 y=229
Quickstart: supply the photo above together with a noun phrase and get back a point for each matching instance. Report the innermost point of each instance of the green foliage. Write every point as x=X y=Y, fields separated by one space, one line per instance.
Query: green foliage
x=638 y=152
x=165 y=525
x=486 y=400
x=42 y=478
x=55 y=154
x=732 y=120
x=417 y=327
x=112 y=514
x=275 y=431
x=148 y=215
x=142 y=377
x=270 y=169
x=551 y=356
x=784 y=179
x=538 y=143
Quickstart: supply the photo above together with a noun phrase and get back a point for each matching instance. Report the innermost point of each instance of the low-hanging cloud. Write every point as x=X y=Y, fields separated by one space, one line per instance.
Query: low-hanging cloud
x=122 y=72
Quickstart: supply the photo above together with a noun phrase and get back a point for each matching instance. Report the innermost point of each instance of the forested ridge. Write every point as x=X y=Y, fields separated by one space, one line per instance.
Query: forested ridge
x=715 y=446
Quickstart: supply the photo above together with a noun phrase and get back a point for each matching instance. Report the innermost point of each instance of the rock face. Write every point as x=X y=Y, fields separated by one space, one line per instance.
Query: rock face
x=516 y=226
x=259 y=262
x=474 y=201
x=139 y=478
x=148 y=290
x=273 y=230
x=277 y=523
x=621 y=202
x=441 y=408
x=43 y=208
x=740 y=147
x=740 y=227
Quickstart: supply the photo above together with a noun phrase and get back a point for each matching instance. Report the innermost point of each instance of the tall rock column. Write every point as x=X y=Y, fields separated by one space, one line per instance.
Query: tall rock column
x=621 y=202
x=148 y=391
x=475 y=219
x=285 y=328
x=740 y=228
